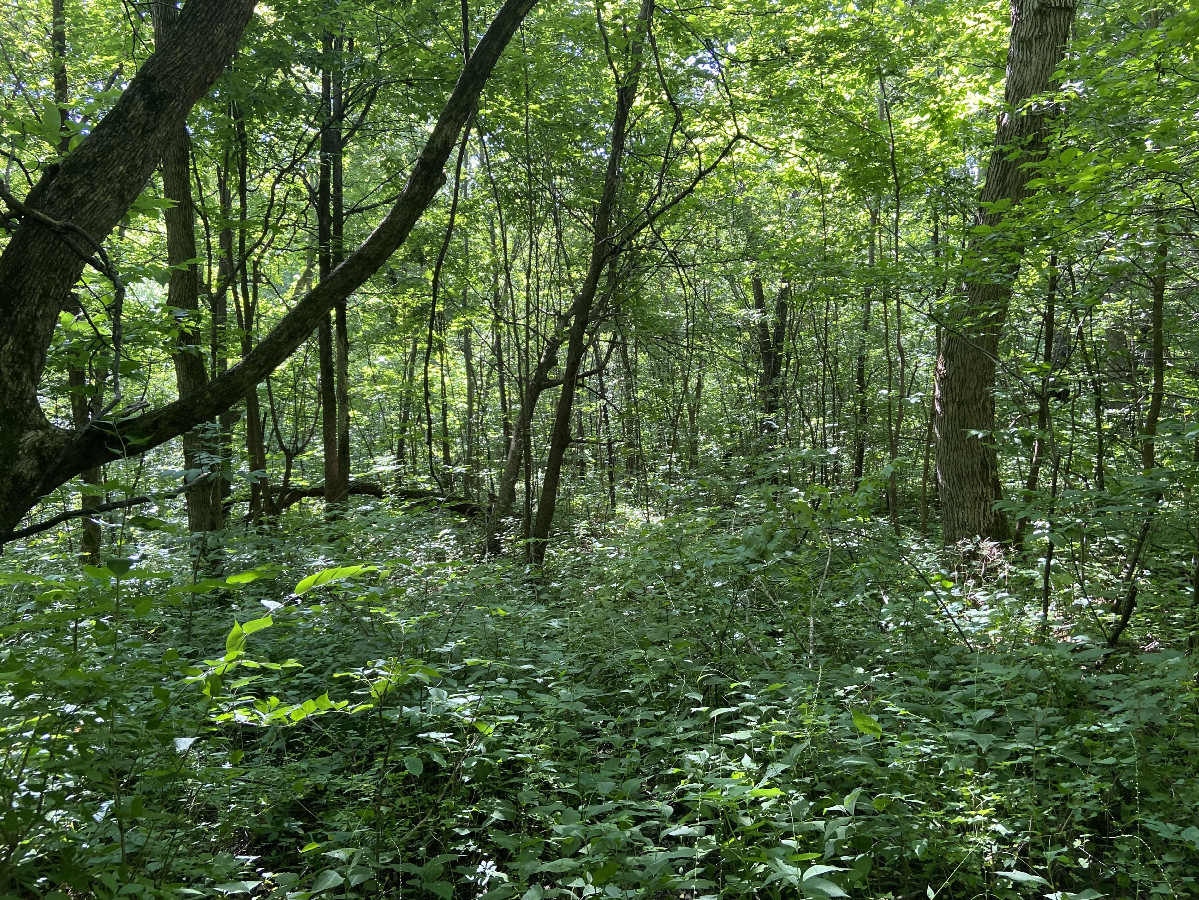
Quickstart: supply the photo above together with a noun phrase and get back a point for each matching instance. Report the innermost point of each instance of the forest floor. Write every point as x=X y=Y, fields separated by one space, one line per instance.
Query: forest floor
x=764 y=699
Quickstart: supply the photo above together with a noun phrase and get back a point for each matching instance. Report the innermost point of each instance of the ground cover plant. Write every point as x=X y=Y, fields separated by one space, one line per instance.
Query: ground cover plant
x=690 y=709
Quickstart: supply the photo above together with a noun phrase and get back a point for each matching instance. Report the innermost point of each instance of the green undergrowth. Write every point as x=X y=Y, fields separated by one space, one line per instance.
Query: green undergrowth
x=763 y=701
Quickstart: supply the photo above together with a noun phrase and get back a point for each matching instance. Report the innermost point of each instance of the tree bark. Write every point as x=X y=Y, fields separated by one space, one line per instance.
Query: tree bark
x=85 y=197
x=772 y=331
x=92 y=190
x=964 y=390
x=200 y=452
x=576 y=347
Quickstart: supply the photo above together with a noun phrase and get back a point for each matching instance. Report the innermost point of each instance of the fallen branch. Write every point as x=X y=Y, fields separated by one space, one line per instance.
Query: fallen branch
x=92 y=511
x=294 y=495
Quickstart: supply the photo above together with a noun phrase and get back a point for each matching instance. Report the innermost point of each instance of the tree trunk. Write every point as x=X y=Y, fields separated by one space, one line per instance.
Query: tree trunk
x=200 y=452
x=82 y=394
x=772 y=330
x=580 y=312
x=860 y=370
x=1157 y=352
x=337 y=253
x=506 y=494
x=261 y=496
x=329 y=230
x=468 y=443
x=964 y=391
x=92 y=190
x=406 y=411
x=1040 y=441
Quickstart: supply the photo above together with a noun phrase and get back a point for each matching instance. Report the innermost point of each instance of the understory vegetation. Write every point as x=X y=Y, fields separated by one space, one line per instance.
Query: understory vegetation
x=751 y=693
x=599 y=449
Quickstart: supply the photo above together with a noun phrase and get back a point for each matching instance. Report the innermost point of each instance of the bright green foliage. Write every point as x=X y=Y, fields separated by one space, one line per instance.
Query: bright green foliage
x=695 y=710
x=740 y=673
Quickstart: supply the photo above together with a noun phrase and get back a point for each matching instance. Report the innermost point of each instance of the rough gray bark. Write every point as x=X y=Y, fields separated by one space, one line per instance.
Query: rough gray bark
x=96 y=185
x=964 y=392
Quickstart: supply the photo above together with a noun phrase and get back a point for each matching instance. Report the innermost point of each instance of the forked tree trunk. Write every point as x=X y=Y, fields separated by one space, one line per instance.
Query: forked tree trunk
x=964 y=392
x=506 y=493
x=576 y=347
x=333 y=345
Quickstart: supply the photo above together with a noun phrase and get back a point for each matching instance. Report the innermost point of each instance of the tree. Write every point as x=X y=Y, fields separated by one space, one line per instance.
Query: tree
x=73 y=207
x=967 y=462
x=204 y=512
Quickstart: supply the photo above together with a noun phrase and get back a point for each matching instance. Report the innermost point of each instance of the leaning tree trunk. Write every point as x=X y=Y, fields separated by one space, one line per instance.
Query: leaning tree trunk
x=75 y=206
x=964 y=393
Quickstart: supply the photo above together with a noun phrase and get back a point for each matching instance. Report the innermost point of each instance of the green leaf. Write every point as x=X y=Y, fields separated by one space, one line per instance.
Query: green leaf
x=51 y=122
x=414 y=765
x=257 y=625
x=867 y=724
x=243 y=577
x=1023 y=877
x=604 y=873
x=119 y=566
x=817 y=870
x=327 y=879
x=237 y=887
x=326 y=576
x=99 y=573
x=236 y=641
x=821 y=887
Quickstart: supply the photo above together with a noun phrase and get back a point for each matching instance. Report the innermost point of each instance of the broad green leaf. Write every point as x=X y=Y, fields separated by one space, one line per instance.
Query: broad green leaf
x=236 y=641
x=326 y=880
x=817 y=870
x=243 y=577
x=119 y=566
x=821 y=887
x=867 y=724
x=51 y=121
x=257 y=625
x=326 y=576
x=1023 y=877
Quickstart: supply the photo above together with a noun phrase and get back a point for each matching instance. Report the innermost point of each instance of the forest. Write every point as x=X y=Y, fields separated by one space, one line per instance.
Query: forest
x=599 y=448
